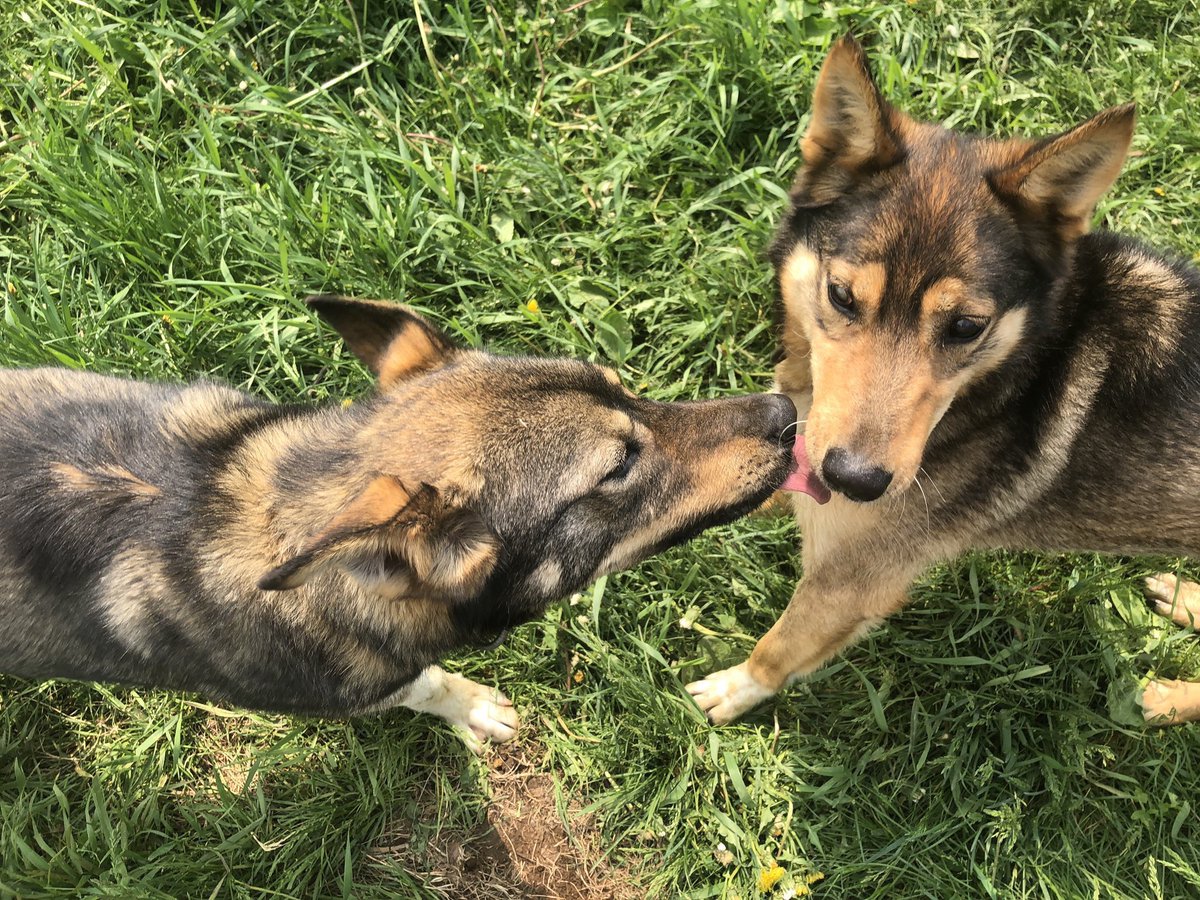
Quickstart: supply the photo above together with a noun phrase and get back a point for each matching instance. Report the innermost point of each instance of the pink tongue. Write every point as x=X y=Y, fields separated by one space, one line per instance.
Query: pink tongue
x=803 y=479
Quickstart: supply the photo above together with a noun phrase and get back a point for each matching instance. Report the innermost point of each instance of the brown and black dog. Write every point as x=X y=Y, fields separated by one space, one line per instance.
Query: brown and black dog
x=322 y=560
x=947 y=317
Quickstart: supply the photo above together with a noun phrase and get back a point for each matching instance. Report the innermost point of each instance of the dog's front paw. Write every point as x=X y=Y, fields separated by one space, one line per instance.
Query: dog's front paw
x=484 y=715
x=1176 y=600
x=727 y=694
x=1166 y=702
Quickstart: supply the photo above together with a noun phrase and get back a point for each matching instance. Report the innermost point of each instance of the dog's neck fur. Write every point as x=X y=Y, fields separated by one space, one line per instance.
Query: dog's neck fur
x=286 y=478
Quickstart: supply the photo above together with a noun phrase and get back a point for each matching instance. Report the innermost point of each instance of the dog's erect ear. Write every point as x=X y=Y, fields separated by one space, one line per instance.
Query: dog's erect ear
x=849 y=135
x=391 y=339
x=1063 y=177
x=398 y=543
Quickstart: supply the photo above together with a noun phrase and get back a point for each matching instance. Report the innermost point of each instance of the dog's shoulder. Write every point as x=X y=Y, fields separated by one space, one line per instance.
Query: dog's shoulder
x=1143 y=305
x=1135 y=275
x=205 y=411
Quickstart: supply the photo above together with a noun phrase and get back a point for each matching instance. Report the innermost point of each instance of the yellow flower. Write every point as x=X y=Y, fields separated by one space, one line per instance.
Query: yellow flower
x=1160 y=191
x=532 y=306
x=346 y=403
x=770 y=876
x=814 y=877
x=579 y=676
x=12 y=288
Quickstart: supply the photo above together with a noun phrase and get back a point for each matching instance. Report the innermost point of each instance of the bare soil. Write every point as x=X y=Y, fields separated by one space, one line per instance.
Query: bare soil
x=523 y=849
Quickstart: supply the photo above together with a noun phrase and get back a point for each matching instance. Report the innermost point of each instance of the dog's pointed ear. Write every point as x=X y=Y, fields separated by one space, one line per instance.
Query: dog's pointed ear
x=398 y=543
x=1061 y=178
x=392 y=340
x=850 y=134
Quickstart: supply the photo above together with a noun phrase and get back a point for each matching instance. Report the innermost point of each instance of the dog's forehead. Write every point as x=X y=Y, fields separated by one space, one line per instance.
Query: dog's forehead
x=924 y=228
x=512 y=377
x=569 y=397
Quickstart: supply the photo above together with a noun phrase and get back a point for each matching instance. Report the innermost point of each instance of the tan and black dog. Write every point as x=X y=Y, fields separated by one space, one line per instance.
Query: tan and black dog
x=321 y=560
x=974 y=369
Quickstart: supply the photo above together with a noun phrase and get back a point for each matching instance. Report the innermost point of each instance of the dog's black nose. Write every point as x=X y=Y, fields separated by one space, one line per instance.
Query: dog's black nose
x=853 y=476
x=781 y=419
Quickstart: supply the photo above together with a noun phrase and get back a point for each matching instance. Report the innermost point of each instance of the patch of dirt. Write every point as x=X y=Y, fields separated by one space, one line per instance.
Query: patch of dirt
x=523 y=850
x=230 y=747
x=227 y=750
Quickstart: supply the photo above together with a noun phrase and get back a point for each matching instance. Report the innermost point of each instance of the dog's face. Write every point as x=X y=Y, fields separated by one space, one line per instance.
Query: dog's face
x=502 y=484
x=915 y=262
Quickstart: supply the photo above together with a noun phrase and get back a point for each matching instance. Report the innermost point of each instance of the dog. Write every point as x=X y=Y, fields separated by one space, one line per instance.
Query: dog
x=321 y=560
x=947 y=317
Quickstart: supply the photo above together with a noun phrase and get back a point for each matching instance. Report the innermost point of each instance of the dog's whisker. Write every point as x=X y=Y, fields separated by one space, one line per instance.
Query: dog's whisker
x=798 y=425
x=917 y=482
x=933 y=484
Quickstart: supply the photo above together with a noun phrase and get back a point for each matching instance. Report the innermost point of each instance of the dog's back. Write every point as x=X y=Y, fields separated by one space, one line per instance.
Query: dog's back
x=1104 y=451
x=85 y=461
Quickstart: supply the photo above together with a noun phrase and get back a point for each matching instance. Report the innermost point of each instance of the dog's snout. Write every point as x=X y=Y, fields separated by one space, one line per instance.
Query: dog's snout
x=781 y=419
x=854 y=476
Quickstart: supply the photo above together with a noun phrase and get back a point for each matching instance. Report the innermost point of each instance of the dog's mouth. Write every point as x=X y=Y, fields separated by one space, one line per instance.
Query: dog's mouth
x=803 y=478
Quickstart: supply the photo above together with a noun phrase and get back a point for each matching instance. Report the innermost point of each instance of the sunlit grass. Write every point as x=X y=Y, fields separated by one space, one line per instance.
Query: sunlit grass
x=175 y=176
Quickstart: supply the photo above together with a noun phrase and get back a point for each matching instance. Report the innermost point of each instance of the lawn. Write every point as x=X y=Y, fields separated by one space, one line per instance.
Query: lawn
x=598 y=180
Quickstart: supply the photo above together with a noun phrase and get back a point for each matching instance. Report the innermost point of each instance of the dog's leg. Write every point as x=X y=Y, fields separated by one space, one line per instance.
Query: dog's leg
x=1171 y=702
x=830 y=609
x=481 y=713
x=1177 y=600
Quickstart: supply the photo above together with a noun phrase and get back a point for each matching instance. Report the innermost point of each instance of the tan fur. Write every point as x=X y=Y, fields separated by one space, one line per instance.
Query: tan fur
x=128 y=591
x=411 y=351
x=115 y=480
x=866 y=280
x=1150 y=275
x=548 y=575
x=205 y=412
x=879 y=396
x=798 y=283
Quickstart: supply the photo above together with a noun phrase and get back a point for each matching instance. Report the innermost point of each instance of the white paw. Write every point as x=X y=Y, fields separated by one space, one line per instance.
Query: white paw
x=727 y=694
x=484 y=715
x=1163 y=700
x=480 y=713
x=1175 y=600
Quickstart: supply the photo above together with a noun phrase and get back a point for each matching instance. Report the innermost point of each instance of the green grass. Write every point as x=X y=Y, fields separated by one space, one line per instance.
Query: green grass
x=175 y=175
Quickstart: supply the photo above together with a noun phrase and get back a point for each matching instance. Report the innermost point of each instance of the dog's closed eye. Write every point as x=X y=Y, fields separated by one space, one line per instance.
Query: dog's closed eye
x=618 y=473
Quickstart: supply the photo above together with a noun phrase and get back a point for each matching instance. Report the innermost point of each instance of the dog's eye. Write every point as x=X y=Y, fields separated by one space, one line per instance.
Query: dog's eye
x=965 y=329
x=621 y=470
x=841 y=298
